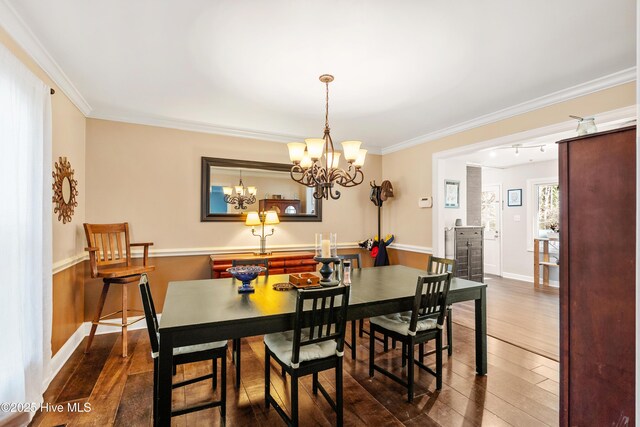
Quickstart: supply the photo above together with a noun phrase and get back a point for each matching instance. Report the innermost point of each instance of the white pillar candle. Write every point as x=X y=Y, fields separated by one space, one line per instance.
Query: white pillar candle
x=326 y=248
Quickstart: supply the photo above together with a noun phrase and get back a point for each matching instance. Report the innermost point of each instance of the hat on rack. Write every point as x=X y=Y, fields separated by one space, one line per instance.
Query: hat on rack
x=386 y=190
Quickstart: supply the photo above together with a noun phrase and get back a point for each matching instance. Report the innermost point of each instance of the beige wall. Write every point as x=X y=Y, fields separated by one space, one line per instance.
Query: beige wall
x=150 y=177
x=410 y=170
x=68 y=241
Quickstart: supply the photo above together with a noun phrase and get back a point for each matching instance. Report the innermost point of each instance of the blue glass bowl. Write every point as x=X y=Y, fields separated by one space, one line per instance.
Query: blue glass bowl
x=246 y=273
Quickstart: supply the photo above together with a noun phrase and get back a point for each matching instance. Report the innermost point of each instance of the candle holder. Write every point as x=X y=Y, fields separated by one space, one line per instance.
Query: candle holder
x=326 y=271
x=327 y=254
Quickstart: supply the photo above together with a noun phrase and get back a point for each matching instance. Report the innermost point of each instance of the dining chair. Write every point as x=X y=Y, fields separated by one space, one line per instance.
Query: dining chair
x=423 y=324
x=438 y=265
x=110 y=259
x=236 y=346
x=182 y=355
x=315 y=344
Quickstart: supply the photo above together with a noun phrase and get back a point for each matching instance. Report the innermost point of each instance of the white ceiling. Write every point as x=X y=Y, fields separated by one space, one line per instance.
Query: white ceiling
x=403 y=69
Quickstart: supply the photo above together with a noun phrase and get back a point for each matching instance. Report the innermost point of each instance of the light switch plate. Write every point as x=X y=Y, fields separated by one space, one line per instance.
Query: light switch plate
x=516 y=218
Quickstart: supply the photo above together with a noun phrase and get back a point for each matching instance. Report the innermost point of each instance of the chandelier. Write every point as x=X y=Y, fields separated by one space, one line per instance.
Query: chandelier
x=312 y=169
x=241 y=197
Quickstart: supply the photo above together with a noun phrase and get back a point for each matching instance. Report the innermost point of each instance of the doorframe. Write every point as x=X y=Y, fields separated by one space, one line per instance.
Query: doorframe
x=501 y=256
x=566 y=129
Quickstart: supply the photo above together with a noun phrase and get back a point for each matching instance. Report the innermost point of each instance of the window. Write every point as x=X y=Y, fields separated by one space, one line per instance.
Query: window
x=547 y=209
x=542 y=207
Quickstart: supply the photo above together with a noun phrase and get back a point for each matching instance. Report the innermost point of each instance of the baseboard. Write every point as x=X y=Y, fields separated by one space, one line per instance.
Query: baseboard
x=67 y=349
x=524 y=278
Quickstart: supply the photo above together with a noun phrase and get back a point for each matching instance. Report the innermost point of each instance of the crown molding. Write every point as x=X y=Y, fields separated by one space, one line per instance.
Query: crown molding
x=202 y=127
x=611 y=80
x=195 y=126
x=22 y=34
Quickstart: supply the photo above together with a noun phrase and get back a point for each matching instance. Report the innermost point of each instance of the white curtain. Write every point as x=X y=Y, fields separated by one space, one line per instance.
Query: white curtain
x=25 y=238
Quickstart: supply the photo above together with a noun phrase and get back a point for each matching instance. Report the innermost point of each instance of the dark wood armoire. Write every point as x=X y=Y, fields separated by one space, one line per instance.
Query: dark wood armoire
x=597 y=278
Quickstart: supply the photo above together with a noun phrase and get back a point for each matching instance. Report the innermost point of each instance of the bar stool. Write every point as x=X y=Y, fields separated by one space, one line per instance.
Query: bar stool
x=110 y=259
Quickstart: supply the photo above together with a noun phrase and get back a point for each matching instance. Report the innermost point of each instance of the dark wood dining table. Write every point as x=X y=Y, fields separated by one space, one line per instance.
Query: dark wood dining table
x=201 y=311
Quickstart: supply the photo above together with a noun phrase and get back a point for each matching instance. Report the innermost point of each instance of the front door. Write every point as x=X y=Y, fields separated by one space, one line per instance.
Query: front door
x=491 y=220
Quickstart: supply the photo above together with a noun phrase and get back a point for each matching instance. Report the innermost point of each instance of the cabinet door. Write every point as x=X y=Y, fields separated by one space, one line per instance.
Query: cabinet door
x=597 y=279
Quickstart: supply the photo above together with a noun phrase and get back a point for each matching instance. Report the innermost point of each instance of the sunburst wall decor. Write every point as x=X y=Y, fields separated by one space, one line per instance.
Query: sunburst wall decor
x=64 y=190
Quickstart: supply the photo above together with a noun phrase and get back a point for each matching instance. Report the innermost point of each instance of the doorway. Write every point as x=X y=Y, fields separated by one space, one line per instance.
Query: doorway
x=491 y=213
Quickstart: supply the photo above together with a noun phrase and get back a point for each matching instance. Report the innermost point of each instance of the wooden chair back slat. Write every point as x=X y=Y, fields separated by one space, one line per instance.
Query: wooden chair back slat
x=326 y=321
x=149 y=312
x=441 y=265
x=112 y=242
x=430 y=299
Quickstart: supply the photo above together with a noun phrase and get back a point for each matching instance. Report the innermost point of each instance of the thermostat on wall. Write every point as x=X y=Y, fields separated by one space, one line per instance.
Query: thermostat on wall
x=425 y=202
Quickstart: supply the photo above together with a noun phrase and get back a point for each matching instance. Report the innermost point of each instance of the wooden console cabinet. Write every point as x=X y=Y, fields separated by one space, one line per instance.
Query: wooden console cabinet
x=279 y=262
x=598 y=278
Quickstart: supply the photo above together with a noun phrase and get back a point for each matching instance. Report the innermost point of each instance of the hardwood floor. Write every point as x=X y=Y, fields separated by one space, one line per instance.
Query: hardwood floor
x=521 y=389
x=519 y=314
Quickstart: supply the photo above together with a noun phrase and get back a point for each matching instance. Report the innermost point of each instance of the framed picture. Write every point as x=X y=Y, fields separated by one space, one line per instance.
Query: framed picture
x=451 y=193
x=514 y=197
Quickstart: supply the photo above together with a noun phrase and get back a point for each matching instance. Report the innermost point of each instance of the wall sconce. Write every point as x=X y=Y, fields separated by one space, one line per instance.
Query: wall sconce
x=261 y=219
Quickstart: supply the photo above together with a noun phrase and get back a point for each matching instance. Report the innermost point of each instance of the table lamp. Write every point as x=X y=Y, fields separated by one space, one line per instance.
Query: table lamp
x=261 y=219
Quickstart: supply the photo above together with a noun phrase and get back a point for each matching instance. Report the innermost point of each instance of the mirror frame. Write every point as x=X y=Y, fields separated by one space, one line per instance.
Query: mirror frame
x=64 y=208
x=205 y=184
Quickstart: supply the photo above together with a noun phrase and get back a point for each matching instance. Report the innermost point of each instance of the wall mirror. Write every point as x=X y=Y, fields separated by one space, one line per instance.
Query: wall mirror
x=230 y=188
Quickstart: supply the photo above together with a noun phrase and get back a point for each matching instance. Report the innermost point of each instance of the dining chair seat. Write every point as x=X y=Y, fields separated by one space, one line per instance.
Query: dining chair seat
x=281 y=345
x=193 y=348
x=398 y=323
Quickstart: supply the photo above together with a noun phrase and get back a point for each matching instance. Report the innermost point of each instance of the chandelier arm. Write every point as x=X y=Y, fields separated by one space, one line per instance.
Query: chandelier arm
x=318 y=193
x=335 y=194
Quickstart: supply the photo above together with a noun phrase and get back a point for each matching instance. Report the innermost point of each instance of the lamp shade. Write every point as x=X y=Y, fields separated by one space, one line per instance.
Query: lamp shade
x=362 y=153
x=252 y=191
x=351 y=150
x=227 y=191
x=271 y=218
x=296 y=151
x=315 y=146
x=306 y=161
x=253 y=219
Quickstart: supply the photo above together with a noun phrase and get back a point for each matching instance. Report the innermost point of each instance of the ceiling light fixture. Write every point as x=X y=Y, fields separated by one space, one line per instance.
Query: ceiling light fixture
x=518 y=147
x=241 y=197
x=313 y=170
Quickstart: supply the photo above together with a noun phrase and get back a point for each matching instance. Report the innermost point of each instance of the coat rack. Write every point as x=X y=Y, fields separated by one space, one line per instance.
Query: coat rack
x=378 y=195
